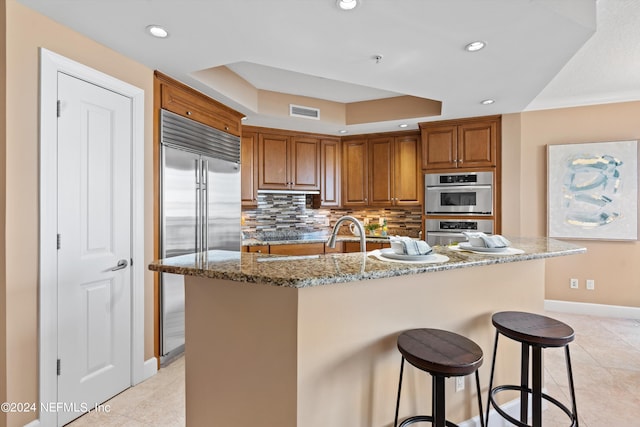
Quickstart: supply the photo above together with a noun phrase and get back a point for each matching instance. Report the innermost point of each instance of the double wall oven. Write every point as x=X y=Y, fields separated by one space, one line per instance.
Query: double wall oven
x=457 y=202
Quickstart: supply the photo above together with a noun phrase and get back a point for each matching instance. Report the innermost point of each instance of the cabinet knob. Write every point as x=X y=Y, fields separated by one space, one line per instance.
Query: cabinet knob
x=188 y=113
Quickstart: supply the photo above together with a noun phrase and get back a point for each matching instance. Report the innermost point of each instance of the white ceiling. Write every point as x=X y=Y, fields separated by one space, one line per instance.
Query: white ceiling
x=539 y=54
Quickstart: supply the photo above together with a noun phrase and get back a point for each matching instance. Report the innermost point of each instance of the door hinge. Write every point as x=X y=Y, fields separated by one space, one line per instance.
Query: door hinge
x=58 y=242
x=58 y=108
x=58 y=367
x=131 y=263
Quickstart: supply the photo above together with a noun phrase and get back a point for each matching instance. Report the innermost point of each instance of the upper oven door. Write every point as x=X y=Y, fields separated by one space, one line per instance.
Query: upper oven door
x=459 y=200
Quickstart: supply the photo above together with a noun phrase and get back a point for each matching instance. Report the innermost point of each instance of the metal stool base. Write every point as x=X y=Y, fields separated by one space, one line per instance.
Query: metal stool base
x=423 y=418
x=550 y=399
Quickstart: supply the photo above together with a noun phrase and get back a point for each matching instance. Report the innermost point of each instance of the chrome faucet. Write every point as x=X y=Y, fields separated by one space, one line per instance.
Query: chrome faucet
x=332 y=239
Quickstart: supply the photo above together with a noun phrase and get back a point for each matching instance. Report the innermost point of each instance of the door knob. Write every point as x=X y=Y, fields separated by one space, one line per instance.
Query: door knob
x=123 y=263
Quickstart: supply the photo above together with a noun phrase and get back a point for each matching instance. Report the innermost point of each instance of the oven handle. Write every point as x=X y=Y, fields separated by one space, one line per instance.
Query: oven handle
x=459 y=187
x=445 y=234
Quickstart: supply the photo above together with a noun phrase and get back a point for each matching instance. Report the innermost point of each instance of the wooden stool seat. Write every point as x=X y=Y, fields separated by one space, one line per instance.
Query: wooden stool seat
x=442 y=354
x=534 y=332
x=533 y=328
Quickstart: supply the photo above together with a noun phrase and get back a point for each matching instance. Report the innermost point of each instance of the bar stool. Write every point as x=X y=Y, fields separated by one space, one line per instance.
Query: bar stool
x=442 y=354
x=536 y=332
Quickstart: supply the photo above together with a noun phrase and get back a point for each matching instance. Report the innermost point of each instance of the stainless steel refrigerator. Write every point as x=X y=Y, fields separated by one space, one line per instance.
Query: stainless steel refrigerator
x=200 y=208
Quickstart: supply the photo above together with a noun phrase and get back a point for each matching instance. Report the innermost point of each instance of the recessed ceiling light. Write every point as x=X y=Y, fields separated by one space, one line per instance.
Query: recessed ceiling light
x=347 y=4
x=403 y=125
x=487 y=101
x=157 y=31
x=475 y=46
x=342 y=131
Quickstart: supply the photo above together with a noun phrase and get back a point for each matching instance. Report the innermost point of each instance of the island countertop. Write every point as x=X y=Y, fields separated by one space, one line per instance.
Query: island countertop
x=315 y=270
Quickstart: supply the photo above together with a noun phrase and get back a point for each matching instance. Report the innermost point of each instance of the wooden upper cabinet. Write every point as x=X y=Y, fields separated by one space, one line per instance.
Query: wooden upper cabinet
x=288 y=162
x=330 y=162
x=355 y=179
x=440 y=147
x=273 y=166
x=467 y=143
x=181 y=99
x=249 y=169
x=381 y=171
x=477 y=144
x=408 y=185
x=305 y=163
x=394 y=172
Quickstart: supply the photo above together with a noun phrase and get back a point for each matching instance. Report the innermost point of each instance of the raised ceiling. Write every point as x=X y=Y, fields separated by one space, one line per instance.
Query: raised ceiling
x=311 y=49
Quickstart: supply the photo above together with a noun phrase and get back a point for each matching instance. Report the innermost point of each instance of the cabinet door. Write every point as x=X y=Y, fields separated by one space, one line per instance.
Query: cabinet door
x=371 y=246
x=199 y=108
x=273 y=162
x=381 y=173
x=337 y=250
x=305 y=163
x=408 y=184
x=354 y=173
x=330 y=173
x=249 y=169
x=297 y=249
x=477 y=144
x=439 y=147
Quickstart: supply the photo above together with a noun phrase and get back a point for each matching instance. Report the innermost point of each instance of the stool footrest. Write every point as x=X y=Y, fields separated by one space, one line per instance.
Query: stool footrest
x=519 y=423
x=422 y=418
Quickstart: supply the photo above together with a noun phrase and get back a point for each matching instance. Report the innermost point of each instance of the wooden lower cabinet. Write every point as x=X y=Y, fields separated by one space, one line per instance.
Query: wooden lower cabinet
x=313 y=248
x=297 y=249
x=337 y=250
x=371 y=246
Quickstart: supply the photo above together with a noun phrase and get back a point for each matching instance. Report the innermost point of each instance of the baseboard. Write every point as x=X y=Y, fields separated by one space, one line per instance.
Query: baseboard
x=495 y=420
x=601 y=310
x=150 y=368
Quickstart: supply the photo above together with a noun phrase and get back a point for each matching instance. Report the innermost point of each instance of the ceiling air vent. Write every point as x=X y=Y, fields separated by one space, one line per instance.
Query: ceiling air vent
x=304 y=112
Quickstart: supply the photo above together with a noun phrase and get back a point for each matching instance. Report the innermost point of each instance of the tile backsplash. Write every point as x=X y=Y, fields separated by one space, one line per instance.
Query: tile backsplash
x=294 y=213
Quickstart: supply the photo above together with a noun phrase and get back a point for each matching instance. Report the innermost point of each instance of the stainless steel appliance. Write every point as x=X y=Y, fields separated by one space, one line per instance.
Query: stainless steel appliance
x=467 y=193
x=447 y=231
x=200 y=208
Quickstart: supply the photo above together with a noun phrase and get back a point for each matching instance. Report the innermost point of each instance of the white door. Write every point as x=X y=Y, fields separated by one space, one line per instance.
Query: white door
x=94 y=227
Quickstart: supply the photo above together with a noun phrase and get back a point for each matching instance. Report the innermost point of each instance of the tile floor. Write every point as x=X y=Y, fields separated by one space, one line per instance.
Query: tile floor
x=605 y=357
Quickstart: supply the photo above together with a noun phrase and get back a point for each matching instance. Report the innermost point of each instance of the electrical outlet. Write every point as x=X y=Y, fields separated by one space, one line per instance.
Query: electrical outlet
x=591 y=284
x=459 y=384
x=573 y=283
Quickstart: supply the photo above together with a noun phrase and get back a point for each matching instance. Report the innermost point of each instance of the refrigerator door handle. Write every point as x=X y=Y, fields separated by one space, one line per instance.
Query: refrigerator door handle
x=205 y=204
x=198 y=216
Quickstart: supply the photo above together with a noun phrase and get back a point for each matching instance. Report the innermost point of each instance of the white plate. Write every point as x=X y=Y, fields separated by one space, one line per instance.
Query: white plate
x=467 y=246
x=390 y=253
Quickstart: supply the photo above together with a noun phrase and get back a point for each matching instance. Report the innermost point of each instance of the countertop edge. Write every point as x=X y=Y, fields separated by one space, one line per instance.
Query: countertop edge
x=302 y=272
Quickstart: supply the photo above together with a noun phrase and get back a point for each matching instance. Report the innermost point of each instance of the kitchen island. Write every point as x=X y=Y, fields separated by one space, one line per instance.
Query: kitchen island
x=310 y=341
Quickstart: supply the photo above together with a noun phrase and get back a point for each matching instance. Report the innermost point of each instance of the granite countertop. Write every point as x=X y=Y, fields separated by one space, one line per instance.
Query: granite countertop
x=315 y=270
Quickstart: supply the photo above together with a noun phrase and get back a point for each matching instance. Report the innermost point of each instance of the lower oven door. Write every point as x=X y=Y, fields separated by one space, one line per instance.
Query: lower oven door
x=443 y=238
x=449 y=231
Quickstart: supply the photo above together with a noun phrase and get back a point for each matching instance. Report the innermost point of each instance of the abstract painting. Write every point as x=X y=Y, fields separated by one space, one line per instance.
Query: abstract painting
x=592 y=190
